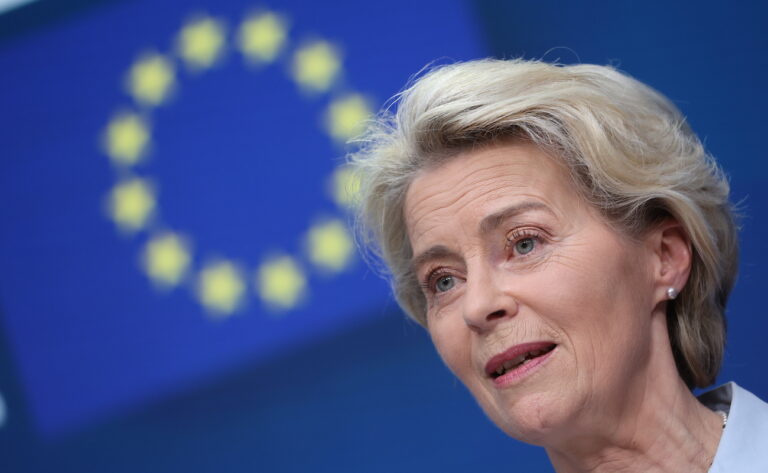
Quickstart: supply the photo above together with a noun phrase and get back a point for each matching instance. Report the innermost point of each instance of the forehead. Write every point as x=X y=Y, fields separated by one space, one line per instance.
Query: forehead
x=477 y=183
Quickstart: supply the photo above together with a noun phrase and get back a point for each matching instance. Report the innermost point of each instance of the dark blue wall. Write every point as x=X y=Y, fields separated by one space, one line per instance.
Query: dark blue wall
x=365 y=393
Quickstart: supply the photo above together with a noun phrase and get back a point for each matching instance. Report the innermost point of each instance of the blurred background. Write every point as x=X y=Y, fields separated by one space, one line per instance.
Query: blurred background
x=179 y=290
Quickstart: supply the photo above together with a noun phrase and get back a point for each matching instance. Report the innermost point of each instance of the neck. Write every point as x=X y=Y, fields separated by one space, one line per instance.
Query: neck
x=658 y=427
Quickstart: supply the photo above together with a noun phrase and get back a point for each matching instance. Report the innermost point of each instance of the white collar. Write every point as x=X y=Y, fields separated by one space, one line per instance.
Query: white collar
x=743 y=446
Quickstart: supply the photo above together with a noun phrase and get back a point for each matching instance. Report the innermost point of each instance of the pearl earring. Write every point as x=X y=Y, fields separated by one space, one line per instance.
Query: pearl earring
x=672 y=293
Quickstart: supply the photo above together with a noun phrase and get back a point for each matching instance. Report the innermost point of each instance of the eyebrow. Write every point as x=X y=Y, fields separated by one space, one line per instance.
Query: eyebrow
x=433 y=253
x=493 y=221
x=487 y=225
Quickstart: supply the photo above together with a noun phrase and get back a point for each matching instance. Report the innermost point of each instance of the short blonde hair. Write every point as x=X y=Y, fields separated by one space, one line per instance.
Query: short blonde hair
x=628 y=149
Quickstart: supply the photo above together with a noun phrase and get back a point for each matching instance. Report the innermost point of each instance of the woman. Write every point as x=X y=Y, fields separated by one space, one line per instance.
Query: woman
x=569 y=245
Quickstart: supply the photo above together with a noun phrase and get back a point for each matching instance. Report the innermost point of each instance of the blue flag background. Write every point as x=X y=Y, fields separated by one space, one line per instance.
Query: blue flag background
x=155 y=178
x=179 y=288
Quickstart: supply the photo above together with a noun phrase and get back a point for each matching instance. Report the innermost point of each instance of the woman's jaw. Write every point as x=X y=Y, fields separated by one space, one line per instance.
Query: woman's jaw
x=658 y=426
x=654 y=421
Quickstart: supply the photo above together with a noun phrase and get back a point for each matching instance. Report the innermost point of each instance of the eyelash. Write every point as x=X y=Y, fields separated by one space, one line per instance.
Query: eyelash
x=514 y=237
x=517 y=235
x=433 y=275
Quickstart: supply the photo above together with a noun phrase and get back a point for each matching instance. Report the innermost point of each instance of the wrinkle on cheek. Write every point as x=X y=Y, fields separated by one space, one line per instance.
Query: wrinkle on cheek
x=522 y=329
x=453 y=359
x=585 y=370
x=574 y=253
x=560 y=260
x=438 y=310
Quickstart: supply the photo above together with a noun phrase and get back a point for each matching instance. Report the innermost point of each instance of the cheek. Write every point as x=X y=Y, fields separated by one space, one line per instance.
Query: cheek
x=453 y=346
x=599 y=304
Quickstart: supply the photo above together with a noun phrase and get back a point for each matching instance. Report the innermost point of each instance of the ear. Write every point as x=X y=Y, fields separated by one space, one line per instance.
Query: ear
x=671 y=246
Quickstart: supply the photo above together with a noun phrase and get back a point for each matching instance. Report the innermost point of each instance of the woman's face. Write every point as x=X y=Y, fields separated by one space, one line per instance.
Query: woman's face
x=541 y=309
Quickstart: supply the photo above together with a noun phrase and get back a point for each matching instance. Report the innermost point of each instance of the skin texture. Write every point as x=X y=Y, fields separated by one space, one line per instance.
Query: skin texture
x=507 y=252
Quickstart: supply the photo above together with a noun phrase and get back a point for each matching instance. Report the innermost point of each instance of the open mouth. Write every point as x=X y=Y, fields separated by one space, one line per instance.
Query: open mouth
x=499 y=367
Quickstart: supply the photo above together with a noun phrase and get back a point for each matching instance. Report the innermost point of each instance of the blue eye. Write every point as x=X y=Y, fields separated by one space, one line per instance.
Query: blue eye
x=444 y=283
x=525 y=246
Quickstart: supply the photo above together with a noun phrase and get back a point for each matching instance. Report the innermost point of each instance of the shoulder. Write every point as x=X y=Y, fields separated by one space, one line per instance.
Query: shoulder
x=742 y=446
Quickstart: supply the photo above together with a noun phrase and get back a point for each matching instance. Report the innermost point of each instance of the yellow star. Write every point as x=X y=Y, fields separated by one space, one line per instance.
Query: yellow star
x=166 y=259
x=201 y=42
x=330 y=245
x=316 y=66
x=345 y=187
x=151 y=79
x=126 y=138
x=220 y=288
x=131 y=204
x=280 y=282
x=346 y=117
x=262 y=36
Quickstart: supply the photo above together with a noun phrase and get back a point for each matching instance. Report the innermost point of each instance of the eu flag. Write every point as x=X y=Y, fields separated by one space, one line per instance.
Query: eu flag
x=173 y=192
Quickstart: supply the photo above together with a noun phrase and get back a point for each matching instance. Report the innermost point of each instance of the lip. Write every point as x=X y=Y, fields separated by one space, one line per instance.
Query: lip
x=522 y=370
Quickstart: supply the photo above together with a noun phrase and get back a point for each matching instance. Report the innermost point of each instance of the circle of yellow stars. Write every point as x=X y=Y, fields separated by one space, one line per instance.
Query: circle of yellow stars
x=167 y=257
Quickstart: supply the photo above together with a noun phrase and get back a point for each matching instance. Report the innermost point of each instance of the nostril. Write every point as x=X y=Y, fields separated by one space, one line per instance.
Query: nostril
x=496 y=315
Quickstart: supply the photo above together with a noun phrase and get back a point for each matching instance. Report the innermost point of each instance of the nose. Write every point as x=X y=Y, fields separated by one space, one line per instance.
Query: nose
x=486 y=301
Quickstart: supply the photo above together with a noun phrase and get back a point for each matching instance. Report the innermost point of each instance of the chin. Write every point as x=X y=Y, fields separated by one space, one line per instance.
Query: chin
x=534 y=418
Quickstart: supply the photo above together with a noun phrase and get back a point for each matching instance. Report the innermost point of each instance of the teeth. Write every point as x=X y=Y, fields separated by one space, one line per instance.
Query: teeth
x=513 y=362
x=518 y=361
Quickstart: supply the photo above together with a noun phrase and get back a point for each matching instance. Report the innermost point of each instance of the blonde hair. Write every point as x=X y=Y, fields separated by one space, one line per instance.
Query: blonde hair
x=628 y=149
